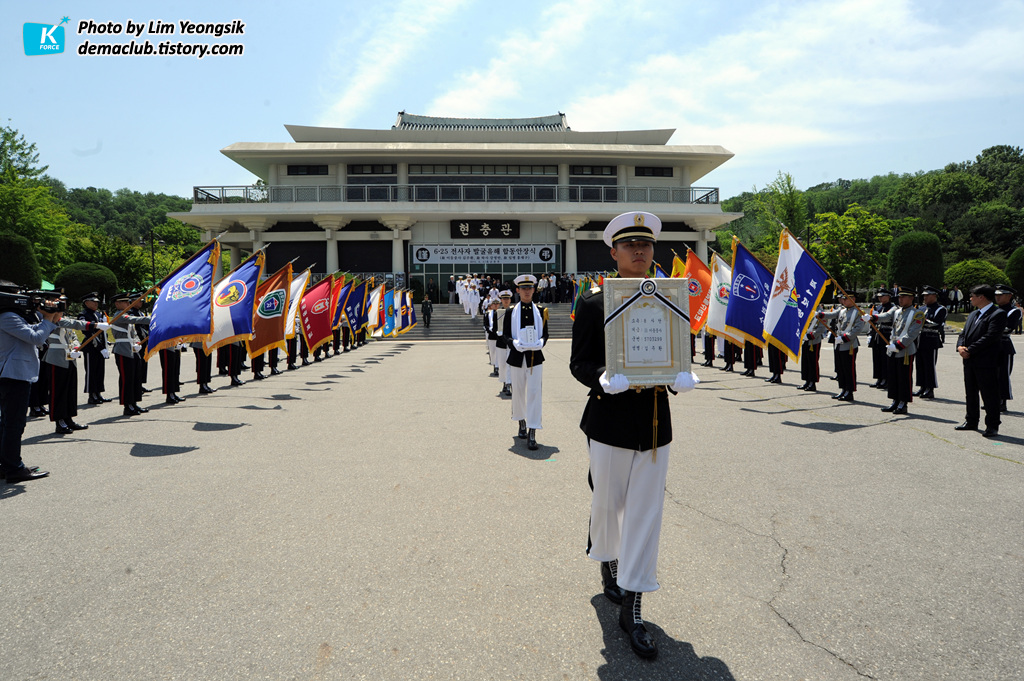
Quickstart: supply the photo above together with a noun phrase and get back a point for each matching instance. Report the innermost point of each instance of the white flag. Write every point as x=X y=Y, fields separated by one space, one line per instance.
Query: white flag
x=721 y=283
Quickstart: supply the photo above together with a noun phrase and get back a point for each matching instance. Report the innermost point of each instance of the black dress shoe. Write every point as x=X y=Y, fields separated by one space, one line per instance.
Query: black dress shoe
x=804 y=386
x=928 y=394
x=206 y=390
x=891 y=407
x=966 y=426
x=291 y=367
x=991 y=432
x=632 y=623
x=839 y=396
x=901 y=408
x=63 y=428
x=36 y=412
x=919 y=393
x=245 y=367
x=611 y=587
x=104 y=399
x=24 y=473
x=1002 y=407
x=316 y=358
x=170 y=400
x=146 y=390
x=259 y=375
x=95 y=399
x=729 y=368
x=140 y=410
x=235 y=381
x=76 y=426
x=531 y=439
x=811 y=388
x=276 y=372
x=178 y=398
x=128 y=411
x=847 y=397
x=522 y=430
x=305 y=362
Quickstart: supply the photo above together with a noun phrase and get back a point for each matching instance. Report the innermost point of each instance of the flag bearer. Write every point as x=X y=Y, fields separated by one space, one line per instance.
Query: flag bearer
x=849 y=326
x=810 y=352
x=929 y=342
x=525 y=330
x=628 y=434
x=906 y=322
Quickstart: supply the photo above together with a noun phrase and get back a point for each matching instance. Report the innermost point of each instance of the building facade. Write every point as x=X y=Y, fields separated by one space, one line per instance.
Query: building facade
x=433 y=197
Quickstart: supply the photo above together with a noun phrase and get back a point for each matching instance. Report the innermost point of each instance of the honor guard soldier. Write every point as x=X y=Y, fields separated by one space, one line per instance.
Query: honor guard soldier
x=493 y=332
x=879 y=370
x=525 y=330
x=978 y=346
x=810 y=353
x=929 y=342
x=849 y=326
x=204 y=368
x=906 y=322
x=95 y=352
x=628 y=434
x=709 y=349
x=170 y=370
x=776 y=364
x=1004 y=299
x=126 y=355
x=62 y=349
x=505 y=300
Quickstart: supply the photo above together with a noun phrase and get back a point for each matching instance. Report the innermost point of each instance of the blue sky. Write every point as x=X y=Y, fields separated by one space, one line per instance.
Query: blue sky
x=821 y=90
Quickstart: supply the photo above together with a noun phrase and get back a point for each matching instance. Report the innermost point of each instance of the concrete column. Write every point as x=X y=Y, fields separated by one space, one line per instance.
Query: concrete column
x=236 y=256
x=330 y=224
x=399 y=226
x=272 y=175
x=403 y=181
x=256 y=227
x=684 y=173
x=570 y=223
x=701 y=249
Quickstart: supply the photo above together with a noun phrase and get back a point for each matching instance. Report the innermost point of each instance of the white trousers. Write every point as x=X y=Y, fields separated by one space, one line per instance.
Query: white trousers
x=527 y=389
x=626 y=510
x=503 y=365
x=492 y=352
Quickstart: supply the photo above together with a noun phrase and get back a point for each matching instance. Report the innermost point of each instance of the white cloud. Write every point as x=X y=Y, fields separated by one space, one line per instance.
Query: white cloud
x=367 y=58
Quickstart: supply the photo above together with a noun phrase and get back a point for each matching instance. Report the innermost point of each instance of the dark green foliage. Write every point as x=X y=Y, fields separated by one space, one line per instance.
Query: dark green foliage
x=80 y=278
x=19 y=263
x=1015 y=270
x=915 y=259
x=970 y=273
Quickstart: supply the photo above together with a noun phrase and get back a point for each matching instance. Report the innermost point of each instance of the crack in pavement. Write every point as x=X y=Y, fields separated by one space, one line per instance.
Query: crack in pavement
x=782 y=582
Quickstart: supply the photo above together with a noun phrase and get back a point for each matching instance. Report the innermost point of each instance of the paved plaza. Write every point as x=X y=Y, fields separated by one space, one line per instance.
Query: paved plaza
x=372 y=517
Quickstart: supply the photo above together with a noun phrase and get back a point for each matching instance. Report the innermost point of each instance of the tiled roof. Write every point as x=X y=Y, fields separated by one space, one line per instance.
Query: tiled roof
x=554 y=123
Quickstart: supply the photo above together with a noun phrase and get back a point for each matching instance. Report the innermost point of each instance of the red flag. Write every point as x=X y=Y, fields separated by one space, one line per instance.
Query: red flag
x=700 y=290
x=272 y=302
x=315 y=312
x=339 y=282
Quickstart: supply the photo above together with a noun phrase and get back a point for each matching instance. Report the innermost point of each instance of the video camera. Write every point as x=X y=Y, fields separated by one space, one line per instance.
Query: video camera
x=25 y=302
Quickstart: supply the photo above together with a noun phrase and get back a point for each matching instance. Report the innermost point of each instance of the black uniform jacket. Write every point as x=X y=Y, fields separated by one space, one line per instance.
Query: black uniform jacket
x=981 y=336
x=628 y=419
x=530 y=358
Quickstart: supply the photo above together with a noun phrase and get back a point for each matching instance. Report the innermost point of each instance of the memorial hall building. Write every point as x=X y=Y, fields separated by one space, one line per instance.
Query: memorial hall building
x=431 y=197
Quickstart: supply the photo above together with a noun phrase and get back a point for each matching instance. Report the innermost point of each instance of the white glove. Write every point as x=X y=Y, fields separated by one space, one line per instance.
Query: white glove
x=615 y=384
x=75 y=354
x=102 y=326
x=867 y=317
x=518 y=346
x=685 y=381
x=105 y=353
x=136 y=347
x=891 y=347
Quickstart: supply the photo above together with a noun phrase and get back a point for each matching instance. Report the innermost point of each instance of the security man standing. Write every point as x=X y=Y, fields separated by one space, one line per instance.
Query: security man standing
x=628 y=435
x=849 y=326
x=525 y=329
x=978 y=346
x=879 y=369
x=1004 y=299
x=929 y=343
x=906 y=322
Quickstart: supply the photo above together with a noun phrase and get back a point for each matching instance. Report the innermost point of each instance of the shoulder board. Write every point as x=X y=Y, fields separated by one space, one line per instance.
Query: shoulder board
x=595 y=289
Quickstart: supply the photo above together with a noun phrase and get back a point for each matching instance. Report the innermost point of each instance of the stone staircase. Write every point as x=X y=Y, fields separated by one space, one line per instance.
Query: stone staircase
x=449 y=323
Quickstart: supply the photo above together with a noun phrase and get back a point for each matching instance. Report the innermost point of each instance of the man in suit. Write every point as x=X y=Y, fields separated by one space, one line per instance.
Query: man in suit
x=978 y=345
x=1004 y=299
x=629 y=432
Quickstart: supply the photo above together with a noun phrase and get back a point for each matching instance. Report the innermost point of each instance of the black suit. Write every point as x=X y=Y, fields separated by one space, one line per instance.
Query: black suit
x=981 y=336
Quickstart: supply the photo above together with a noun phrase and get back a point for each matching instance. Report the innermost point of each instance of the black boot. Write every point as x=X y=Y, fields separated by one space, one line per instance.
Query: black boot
x=63 y=428
x=804 y=386
x=611 y=587
x=633 y=624
x=891 y=407
x=531 y=439
x=901 y=408
x=522 y=430
x=812 y=387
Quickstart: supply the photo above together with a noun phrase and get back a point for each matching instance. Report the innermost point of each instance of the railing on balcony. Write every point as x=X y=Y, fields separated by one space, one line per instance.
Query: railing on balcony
x=458 y=193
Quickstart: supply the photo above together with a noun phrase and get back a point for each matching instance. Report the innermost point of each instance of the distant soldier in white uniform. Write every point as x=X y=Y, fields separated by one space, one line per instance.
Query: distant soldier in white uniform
x=526 y=332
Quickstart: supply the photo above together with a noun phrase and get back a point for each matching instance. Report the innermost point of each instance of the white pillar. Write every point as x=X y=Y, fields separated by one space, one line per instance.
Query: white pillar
x=236 y=256
x=399 y=226
x=570 y=223
x=256 y=227
x=330 y=224
x=702 y=243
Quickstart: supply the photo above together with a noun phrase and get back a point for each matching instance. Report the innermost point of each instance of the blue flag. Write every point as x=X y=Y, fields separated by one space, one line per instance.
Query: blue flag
x=234 y=304
x=354 y=307
x=797 y=289
x=183 y=312
x=342 y=299
x=389 y=313
x=748 y=297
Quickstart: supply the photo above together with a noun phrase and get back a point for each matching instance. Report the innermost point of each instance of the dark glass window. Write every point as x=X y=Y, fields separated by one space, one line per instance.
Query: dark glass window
x=592 y=170
x=653 y=171
x=307 y=170
x=371 y=169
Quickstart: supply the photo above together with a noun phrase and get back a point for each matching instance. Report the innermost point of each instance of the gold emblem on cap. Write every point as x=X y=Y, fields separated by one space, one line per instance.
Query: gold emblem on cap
x=638 y=219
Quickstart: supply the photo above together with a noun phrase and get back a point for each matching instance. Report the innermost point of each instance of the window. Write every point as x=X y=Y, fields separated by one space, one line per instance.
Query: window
x=371 y=169
x=421 y=169
x=307 y=170
x=592 y=170
x=653 y=171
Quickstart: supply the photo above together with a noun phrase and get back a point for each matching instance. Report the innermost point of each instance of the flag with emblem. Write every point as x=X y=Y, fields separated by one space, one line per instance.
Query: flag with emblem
x=234 y=304
x=183 y=311
x=678 y=267
x=659 y=271
x=295 y=293
x=797 y=288
x=748 y=297
x=412 y=311
x=388 y=306
x=339 y=311
x=375 y=311
x=315 y=313
x=699 y=288
x=718 y=302
x=272 y=305
x=354 y=307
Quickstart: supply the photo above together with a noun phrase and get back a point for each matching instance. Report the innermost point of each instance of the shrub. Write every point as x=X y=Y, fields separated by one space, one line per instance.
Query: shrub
x=19 y=263
x=1015 y=270
x=970 y=273
x=915 y=259
x=80 y=278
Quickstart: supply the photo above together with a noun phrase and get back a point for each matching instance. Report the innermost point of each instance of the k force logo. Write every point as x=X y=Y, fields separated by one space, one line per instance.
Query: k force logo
x=44 y=38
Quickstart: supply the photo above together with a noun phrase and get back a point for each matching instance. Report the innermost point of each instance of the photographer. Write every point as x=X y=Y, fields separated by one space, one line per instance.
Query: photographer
x=21 y=333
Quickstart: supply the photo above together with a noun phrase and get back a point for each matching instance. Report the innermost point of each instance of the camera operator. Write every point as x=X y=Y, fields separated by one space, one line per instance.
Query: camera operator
x=21 y=333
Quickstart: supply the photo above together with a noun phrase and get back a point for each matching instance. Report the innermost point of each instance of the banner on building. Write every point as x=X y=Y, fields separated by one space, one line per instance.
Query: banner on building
x=524 y=254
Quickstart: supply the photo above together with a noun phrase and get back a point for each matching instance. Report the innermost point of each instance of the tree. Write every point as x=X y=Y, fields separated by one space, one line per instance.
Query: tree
x=19 y=263
x=80 y=278
x=777 y=205
x=970 y=273
x=915 y=260
x=28 y=209
x=18 y=157
x=851 y=247
x=1015 y=269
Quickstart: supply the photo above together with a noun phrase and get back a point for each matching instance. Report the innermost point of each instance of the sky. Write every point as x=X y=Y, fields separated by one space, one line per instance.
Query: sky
x=821 y=90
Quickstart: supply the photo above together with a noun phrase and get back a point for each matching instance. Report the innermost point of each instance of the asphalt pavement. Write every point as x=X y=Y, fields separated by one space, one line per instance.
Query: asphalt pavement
x=373 y=517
